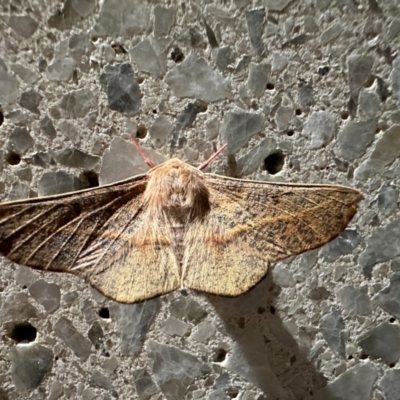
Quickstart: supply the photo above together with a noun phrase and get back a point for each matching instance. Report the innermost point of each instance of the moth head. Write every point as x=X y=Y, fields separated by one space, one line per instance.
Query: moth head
x=175 y=186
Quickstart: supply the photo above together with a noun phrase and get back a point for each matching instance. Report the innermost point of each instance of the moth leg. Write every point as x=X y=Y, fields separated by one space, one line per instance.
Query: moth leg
x=215 y=155
x=142 y=153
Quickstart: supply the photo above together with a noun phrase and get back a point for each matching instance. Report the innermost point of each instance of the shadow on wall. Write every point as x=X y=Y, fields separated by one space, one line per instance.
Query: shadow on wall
x=264 y=352
x=3 y=395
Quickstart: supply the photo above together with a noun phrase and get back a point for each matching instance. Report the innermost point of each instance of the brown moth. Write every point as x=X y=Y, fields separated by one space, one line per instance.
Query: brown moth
x=173 y=227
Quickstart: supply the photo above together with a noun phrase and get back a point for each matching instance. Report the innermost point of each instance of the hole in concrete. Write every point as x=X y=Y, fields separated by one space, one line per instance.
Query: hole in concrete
x=274 y=162
x=270 y=86
x=177 y=55
x=323 y=70
x=290 y=132
x=13 y=158
x=141 y=131
x=220 y=355
x=23 y=332
x=89 y=179
x=118 y=49
x=104 y=313
x=344 y=115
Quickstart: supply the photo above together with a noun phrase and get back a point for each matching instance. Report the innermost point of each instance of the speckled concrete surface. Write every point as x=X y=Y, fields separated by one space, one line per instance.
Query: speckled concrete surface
x=302 y=91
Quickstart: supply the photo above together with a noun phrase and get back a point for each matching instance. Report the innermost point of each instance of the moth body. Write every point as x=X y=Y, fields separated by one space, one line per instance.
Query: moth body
x=176 y=196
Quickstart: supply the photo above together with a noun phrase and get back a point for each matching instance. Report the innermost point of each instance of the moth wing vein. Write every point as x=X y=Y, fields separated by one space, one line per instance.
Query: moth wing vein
x=21 y=227
x=59 y=249
x=115 y=238
x=13 y=216
x=114 y=215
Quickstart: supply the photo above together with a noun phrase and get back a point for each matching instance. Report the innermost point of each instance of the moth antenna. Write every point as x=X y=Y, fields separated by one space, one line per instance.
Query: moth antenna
x=215 y=155
x=142 y=153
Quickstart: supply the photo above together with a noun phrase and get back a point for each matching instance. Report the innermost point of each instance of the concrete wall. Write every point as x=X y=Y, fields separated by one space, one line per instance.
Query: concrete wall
x=301 y=91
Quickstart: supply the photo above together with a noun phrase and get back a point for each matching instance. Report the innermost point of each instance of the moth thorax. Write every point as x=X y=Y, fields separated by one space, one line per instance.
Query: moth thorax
x=189 y=198
x=178 y=190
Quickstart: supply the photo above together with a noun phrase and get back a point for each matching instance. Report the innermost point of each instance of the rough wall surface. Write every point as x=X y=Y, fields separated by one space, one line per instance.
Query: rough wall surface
x=302 y=91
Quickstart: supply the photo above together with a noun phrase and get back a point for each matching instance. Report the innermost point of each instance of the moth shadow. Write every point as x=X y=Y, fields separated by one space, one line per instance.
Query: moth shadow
x=3 y=395
x=263 y=350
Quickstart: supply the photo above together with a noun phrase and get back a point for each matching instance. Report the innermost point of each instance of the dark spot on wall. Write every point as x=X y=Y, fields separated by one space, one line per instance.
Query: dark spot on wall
x=141 y=131
x=104 y=313
x=177 y=55
x=89 y=179
x=13 y=158
x=274 y=162
x=220 y=355
x=23 y=332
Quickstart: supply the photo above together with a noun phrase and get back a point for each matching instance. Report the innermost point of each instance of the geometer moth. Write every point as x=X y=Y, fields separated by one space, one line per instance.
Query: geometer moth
x=173 y=227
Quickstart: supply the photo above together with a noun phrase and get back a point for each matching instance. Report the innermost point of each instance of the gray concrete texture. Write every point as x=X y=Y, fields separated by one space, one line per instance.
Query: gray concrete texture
x=301 y=91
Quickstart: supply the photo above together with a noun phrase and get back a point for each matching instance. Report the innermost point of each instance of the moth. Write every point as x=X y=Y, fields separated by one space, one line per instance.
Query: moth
x=173 y=227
